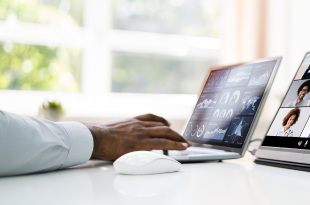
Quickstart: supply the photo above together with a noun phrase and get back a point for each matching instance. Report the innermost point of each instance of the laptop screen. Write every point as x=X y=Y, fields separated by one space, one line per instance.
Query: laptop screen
x=291 y=125
x=227 y=105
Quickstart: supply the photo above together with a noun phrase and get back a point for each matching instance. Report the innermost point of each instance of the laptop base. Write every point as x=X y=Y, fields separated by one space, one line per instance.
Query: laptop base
x=195 y=154
x=192 y=158
x=283 y=164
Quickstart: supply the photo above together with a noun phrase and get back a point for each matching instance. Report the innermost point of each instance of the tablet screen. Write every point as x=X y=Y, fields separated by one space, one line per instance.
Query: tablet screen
x=291 y=125
x=228 y=104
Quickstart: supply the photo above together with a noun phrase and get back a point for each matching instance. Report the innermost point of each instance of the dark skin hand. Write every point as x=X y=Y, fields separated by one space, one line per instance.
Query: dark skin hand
x=144 y=132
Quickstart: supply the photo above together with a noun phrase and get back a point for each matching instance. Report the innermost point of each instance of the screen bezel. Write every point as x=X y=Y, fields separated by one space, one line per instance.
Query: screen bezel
x=281 y=153
x=256 y=117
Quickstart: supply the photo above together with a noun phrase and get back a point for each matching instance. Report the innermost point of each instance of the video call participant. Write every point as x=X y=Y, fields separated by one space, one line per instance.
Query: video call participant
x=302 y=91
x=306 y=74
x=289 y=120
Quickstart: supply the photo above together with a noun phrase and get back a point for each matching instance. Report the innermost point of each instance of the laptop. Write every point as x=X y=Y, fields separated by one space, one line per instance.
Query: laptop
x=227 y=111
x=287 y=141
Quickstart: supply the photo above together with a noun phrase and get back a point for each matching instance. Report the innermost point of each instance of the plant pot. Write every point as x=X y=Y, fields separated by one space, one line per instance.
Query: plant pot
x=49 y=114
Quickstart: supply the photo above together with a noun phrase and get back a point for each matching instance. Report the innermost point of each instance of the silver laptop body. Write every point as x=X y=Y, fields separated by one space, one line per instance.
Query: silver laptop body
x=227 y=111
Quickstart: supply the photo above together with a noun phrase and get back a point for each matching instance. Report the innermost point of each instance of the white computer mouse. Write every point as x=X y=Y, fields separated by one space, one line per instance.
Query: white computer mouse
x=145 y=162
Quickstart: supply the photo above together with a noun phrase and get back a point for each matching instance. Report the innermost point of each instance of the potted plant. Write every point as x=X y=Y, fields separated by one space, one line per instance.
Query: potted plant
x=51 y=110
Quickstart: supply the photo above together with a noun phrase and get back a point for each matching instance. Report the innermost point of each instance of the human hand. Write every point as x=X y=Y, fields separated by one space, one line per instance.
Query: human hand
x=145 y=132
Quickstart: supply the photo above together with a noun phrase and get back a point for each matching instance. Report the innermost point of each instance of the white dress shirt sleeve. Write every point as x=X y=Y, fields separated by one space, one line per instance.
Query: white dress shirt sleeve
x=29 y=145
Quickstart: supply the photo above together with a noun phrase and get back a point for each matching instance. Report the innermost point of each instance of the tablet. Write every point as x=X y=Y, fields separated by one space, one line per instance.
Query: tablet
x=288 y=137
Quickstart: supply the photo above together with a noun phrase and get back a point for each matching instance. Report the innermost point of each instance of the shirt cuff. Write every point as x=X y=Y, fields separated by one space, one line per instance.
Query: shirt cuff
x=81 y=143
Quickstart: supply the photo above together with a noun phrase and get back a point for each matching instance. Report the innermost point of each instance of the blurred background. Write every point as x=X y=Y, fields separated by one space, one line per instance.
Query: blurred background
x=106 y=59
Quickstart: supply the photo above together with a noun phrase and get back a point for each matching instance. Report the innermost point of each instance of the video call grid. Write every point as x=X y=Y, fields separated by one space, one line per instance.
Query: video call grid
x=302 y=126
x=244 y=120
x=302 y=122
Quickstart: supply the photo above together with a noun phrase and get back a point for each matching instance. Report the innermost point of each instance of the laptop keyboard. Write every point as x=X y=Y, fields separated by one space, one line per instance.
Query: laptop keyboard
x=191 y=151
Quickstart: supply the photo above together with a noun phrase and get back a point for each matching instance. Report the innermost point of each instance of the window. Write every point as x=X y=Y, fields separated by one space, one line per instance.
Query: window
x=32 y=67
x=55 y=12
x=180 y=17
x=151 y=73
x=105 y=47
x=166 y=62
x=29 y=59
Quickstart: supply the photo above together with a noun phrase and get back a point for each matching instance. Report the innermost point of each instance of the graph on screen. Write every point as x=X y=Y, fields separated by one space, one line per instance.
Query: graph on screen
x=260 y=76
x=215 y=131
x=238 y=130
x=239 y=76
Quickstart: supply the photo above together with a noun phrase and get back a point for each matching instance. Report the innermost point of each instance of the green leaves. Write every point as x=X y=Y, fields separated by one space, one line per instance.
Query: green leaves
x=32 y=67
x=44 y=12
x=53 y=105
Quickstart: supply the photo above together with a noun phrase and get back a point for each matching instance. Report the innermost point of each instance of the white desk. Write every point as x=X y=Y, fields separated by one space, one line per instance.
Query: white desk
x=96 y=182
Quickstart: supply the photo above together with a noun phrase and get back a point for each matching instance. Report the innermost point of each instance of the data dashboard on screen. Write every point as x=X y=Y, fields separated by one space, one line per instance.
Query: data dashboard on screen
x=228 y=103
x=291 y=125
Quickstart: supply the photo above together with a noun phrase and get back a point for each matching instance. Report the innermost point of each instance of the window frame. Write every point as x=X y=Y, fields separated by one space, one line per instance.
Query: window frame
x=97 y=40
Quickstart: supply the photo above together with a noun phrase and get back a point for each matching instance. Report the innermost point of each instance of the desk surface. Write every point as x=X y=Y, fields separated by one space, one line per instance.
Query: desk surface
x=96 y=182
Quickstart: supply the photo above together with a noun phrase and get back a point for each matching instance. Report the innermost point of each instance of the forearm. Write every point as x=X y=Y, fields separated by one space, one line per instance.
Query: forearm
x=29 y=145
